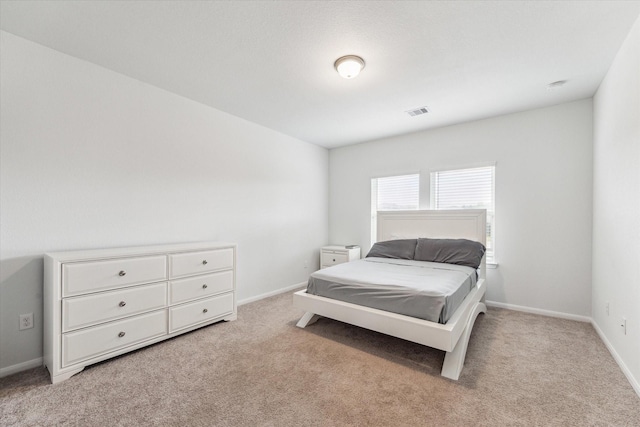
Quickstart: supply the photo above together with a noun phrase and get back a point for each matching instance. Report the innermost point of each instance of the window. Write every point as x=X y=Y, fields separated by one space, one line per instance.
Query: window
x=393 y=193
x=471 y=188
x=467 y=189
x=396 y=192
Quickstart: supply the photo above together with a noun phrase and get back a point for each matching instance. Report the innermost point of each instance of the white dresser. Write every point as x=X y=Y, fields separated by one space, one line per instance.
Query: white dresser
x=332 y=255
x=102 y=303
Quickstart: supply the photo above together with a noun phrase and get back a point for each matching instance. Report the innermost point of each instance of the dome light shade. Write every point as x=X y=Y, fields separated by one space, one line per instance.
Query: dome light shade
x=349 y=66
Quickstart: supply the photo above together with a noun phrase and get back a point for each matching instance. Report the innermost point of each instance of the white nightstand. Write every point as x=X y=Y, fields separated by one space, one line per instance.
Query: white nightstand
x=332 y=255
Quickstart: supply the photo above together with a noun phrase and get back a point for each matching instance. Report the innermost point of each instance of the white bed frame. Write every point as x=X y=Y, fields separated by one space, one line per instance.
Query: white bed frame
x=452 y=337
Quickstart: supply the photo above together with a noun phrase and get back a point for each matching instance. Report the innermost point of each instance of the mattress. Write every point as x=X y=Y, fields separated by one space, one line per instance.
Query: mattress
x=425 y=290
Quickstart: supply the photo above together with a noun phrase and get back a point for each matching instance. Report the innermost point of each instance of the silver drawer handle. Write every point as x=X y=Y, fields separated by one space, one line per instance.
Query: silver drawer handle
x=204 y=286
x=205 y=310
x=122 y=273
x=121 y=334
x=122 y=304
x=204 y=262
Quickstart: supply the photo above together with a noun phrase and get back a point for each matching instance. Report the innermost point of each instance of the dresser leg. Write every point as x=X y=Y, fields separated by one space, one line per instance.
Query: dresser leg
x=231 y=317
x=62 y=377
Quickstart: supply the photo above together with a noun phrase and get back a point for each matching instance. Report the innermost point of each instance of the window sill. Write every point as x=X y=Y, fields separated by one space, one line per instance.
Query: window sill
x=492 y=265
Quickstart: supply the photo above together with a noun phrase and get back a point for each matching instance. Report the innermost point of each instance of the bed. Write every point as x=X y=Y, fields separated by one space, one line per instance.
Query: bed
x=452 y=336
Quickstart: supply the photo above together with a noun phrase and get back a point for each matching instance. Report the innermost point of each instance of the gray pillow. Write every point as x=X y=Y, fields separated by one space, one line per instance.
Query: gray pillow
x=450 y=251
x=398 y=249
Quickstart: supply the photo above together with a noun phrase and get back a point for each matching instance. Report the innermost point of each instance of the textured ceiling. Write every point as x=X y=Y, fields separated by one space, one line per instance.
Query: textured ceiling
x=272 y=62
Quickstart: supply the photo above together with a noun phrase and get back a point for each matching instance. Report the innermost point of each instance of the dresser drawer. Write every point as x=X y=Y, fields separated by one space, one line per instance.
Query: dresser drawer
x=92 y=342
x=84 y=277
x=333 y=258
x=186 y=315
x=78 y=312
x=191 y=263
x=200 y=286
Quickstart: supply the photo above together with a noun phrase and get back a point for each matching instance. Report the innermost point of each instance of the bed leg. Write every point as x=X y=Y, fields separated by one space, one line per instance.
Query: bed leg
x=307 y=319
x=454 y=360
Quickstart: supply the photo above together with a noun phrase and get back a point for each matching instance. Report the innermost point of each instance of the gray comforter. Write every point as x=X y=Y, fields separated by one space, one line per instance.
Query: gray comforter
x=425 y=290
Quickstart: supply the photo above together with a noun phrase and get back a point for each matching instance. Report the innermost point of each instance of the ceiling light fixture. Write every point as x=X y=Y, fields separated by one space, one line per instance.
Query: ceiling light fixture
x=349 y=66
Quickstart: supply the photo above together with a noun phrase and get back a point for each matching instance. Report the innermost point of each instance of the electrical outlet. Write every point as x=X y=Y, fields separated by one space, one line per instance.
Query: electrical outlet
x=26 y=321
x=306 y=264
x=607 y=308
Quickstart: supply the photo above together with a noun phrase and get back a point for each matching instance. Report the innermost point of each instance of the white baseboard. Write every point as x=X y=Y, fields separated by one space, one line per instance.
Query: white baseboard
x=627 y=373
x=272 y=293
x=539 y=311
x=14 y=369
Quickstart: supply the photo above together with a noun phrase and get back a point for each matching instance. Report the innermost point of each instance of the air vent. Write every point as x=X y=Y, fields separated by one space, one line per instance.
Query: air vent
x=418 y=111
x=556 y=85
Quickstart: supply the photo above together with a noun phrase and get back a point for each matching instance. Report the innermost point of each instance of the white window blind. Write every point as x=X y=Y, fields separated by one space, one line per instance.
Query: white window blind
x=393 y=193
x=398 y=192
x=467 y=189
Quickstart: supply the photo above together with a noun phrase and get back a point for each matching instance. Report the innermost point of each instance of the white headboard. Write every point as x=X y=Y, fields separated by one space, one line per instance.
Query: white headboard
x=453 y=224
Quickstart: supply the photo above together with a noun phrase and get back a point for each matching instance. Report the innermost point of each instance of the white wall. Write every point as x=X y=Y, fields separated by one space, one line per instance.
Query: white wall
x=616 y=205
x=543 y=196
x=91 y=159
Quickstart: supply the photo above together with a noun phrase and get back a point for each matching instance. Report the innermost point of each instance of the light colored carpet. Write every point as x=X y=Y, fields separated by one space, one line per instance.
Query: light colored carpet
x=521 y=370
